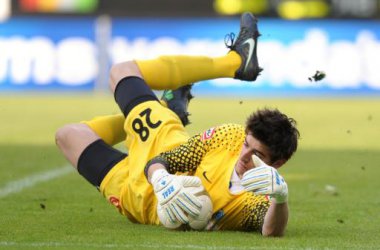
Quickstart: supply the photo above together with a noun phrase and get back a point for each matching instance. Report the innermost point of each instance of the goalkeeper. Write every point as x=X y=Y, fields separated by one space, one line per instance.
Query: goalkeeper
x=158 y=146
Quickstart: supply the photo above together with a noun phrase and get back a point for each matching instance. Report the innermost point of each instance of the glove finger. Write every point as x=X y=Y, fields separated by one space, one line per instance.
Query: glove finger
x=190 y=181
x=187 y=206
x=247 y=179
x=178 y=213
x=256 y=185
x=257 y=161
x=256 y=176
x=263 y=191
x=192 y=199
x=169 y=214
x=195 y=190
x=264 y=170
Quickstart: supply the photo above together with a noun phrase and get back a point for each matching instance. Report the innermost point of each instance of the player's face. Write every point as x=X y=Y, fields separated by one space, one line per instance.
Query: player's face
x=251 y=146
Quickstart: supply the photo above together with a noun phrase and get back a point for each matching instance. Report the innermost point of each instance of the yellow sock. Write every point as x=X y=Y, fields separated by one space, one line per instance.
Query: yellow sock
x=109 y=127
x=172 y=72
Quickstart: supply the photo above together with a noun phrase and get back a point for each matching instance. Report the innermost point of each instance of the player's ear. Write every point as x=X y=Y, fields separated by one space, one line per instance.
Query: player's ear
x=277 y=164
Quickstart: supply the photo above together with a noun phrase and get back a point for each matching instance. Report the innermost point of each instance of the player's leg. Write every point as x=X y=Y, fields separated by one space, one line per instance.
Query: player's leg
x=135 y=90
x=87 y=152
x=172 y=72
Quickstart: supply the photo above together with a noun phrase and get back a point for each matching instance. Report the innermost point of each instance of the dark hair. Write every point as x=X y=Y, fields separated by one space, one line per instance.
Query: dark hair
x=277 y=131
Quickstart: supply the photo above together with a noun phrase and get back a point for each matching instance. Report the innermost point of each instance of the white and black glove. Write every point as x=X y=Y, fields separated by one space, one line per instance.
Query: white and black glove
x=174 y=200
x=265 y=180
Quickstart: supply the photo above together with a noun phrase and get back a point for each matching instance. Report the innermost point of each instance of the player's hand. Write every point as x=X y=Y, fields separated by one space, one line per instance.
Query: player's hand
x=265 y=180
x=172 y=196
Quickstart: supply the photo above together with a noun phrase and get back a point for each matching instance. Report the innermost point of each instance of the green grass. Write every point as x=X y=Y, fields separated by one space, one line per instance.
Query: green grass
x=333 y=178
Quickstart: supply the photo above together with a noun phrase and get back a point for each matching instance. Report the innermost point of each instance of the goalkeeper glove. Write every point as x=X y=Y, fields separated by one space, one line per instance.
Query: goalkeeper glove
x=172 y=196
x=265 y=180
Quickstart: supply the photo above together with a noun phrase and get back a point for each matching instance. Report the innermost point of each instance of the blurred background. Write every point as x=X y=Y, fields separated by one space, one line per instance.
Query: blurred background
x=69 y=45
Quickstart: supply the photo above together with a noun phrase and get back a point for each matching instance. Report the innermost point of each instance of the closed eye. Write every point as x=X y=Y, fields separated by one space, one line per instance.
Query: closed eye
x=246 y=143
x=258 y=154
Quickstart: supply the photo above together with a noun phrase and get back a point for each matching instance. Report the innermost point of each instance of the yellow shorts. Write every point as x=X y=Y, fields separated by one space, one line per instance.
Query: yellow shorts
x=151 y=129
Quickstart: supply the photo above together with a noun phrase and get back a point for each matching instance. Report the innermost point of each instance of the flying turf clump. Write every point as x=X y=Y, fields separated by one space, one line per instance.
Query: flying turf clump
x=318 y=76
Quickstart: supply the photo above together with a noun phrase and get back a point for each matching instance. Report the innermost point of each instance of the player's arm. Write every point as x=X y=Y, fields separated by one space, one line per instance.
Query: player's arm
x=269 y=218
x=276 y=219
x=109 y=128
x=253 y=211
x=183 y=158
x=265 y=180
x=169 y=189
x=187 y=156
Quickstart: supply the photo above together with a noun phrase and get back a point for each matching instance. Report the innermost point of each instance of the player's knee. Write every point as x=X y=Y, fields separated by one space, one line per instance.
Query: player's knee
x=63 y=134
x=73 y=139
x=70 y=134
x=122 y=70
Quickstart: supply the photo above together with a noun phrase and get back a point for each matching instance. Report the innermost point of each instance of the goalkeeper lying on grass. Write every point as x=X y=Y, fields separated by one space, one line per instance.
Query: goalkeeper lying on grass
x=228 y=161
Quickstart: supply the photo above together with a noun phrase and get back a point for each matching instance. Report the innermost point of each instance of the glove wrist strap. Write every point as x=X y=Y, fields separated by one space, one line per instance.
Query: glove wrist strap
x=158 y=174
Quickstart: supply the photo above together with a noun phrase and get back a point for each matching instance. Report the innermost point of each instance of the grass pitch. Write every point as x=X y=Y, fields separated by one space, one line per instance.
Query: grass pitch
x=333 y=178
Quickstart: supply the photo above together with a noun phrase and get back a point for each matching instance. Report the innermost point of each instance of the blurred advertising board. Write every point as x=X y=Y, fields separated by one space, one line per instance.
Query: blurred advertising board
x=47 y=54
x=75 y=54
